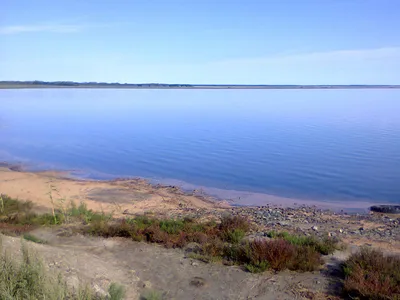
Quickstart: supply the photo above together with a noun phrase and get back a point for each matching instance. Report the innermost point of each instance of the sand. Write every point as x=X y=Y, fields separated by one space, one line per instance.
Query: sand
x=117 y=196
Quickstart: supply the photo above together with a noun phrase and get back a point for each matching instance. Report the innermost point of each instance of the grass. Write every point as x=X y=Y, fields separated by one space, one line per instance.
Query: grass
x=116 y=291
x=369 y=274
x=151 y=295
x=21 y=213
x=32 y=238
x=29 y=279
x=324 y=246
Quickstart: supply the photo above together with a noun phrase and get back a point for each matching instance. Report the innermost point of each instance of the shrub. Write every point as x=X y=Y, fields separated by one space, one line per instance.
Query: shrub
x=230 y=223
x=306 y=259
x=172 y=226
x=369 y=274
x=278 y=253
x=234 y=236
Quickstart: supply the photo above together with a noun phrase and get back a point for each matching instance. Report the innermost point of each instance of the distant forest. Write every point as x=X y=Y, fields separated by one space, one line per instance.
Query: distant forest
x=72 y=84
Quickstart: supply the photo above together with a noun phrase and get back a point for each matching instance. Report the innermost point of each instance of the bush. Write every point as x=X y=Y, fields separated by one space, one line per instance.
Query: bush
x=230 y=223
x=277 y=253
x=306 y=259
x=369 y=274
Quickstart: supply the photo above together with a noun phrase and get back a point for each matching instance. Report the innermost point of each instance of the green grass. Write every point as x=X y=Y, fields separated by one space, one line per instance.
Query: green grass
x=116 y=291
x=324 y=246
x=28 y=279
x=17 y=212
x=151 y=295
x=34 y=239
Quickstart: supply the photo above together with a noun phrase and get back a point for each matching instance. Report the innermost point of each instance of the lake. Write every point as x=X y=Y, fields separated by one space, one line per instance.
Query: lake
x=328 y=145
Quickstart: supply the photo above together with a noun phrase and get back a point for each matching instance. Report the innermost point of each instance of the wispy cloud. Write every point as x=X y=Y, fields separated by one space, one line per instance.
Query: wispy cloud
x=40 y=28
x=327 y=56
x=52 y=27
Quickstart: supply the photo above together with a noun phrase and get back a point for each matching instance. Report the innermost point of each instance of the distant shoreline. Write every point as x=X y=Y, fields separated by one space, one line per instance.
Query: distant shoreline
x=101 y=85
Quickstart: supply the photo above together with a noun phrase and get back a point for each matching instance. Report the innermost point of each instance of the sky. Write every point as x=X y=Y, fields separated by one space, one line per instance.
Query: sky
x=201 y=41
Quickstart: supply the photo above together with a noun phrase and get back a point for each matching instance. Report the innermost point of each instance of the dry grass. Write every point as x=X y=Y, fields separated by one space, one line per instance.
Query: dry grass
x=369 y=274
x=28 y=279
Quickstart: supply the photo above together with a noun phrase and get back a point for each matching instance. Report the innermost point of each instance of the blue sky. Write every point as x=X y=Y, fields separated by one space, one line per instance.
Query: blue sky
x=202 y=41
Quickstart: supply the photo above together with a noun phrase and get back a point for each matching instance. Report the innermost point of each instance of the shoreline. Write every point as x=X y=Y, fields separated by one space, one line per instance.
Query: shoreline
x=131 y=197
x=232 y=198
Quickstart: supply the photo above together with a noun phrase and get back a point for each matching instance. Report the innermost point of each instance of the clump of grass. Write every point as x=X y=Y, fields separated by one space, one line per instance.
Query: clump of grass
x=82 y=213
x=29 y=279
x=325 y=246
x=151 y=295
x=34 y=239
x=116 y=291
x=369 y=274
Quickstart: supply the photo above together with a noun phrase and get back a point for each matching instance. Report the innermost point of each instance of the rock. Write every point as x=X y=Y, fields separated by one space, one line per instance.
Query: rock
x=99 y=291
x=192 y=248
x=283 y=223
x=194 y=264
x=198 y=282
x=387 y=209
x=341 y=230
x=315 y=228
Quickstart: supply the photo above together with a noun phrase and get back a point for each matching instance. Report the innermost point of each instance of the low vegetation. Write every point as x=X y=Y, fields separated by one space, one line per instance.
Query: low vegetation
x=151 y=295
x=224 y=241
x=369 y=274
x=324 y=246
x=18 y=217
x=28 y=278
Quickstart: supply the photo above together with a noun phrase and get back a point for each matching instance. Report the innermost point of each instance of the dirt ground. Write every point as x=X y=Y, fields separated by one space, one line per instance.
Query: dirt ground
x=141 y=267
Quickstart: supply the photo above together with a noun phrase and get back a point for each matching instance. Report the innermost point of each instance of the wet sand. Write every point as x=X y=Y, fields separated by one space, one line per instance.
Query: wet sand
x=137 y=194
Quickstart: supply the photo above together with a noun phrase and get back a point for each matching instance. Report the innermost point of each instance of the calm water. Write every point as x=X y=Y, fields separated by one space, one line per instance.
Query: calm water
x=328 y=145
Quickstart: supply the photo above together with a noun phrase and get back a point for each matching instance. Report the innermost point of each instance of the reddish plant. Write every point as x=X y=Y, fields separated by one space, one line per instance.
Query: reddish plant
x=372 y=275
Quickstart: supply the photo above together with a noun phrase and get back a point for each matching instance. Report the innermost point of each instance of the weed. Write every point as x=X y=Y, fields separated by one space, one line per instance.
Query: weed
x=234 y=236
x=258 y=267
x=306 y=259
x=116 y=291
x=231 y=223
x=325 y=246
x=369 y=274
x=172 y=226
x=151 y=295
x=34 y=239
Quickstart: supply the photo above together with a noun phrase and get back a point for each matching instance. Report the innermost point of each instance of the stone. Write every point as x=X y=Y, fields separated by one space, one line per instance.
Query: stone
x=387 y=209
x=315 y=228
x=198 y=282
